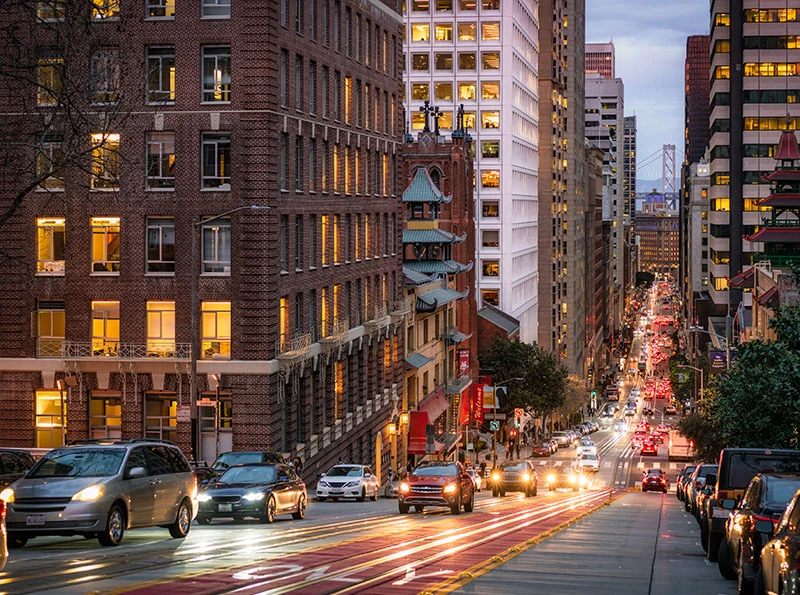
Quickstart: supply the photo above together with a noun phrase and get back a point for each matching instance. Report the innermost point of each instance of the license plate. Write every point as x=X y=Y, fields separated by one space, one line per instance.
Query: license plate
x=721 y=513
x=337 y=492
x=225 y=507
x=34 y=520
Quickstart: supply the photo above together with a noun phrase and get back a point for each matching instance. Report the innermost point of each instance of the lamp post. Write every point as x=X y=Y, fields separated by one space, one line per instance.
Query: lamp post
x=494 y=416
x=195 y=341
x=701 y=379
x=697 y=329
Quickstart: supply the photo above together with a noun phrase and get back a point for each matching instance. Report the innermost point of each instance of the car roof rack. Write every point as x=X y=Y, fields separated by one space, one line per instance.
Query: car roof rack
x=116 y=441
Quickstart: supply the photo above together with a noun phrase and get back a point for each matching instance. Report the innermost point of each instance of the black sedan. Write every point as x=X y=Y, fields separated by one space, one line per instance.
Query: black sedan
x=514 y=476
x=258 y=490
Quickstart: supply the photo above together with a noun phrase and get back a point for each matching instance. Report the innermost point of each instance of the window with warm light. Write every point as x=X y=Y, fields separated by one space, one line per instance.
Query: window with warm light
x=490 y=268
x=443 y=31
x=467 y=61
x=105 y=9
x=50 y=328
x=491 y=296
x=420 y=32
x=324 y=235
x=160 y=328
x=160 y=74
x=490 y=60
x=50 y=418
x=105 y=415
x=490 y=90
x=105 y=327
x=161 y=9
x=160 y=160
x=419 y=91
x=420 y=62
x=490 y=31
x=105 y=160
x=49 y=80
x=490 y=119
x=216 y=330
x=444 y=61
x=467 y=91
x=217 y=74
x=467 y=32
x=50 y=10
x=105 y=244
x=490 y=149
x=490 y=178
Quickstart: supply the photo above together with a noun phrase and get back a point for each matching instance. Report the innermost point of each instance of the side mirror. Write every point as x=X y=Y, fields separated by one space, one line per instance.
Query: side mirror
x=728 y=504
x=765 y=527
x=137 y=472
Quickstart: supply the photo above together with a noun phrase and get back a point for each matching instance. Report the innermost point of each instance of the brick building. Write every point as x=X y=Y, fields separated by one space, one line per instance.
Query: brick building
x=192 y=117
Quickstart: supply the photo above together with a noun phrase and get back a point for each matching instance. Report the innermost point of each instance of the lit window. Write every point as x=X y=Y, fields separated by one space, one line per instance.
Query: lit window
x=419 y=91
x=443 y=32
x=217 y=247
x=105 y=416
x=161 y=9
x=490 y=119
x=105 y=161
x=490 y=238
x=490 y=90
x=466 y=91
x=490 y=4
x=217 y=74
x=491 y=296
x=466 y=61
x=420 y=32
x=50 y=328
x=105 y=9
x=160 y=75
x=49 y=79
x=467 y=32
x=105 y=327
x=216 y=331
x=220 y=9
x=105 y=76
x=216 y=161
x=50 y=10
x=420 y=62
x=444 y=61
x=490 y=31
x=420 y=5
x=160 y=329
x=105 y=245
x=490 y=60
x=160 y=245
x=50 y=418
x=48 y=165
x=490 y=268
x=50 y=245
x=490 y=178
x=490 y=148
x=444 y=91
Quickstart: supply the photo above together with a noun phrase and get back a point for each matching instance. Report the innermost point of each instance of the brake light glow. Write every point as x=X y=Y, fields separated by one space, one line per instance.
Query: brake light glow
x=2 y=509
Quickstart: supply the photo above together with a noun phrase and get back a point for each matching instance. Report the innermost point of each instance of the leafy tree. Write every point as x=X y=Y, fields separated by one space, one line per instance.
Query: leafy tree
x=542 y=387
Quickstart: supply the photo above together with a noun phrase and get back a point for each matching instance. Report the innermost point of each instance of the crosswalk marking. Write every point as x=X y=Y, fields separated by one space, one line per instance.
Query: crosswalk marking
x=640 y=465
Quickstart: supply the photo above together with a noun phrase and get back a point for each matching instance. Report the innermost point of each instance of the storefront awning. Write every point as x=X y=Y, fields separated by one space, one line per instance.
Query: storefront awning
x=417 y=360
x=435 y=404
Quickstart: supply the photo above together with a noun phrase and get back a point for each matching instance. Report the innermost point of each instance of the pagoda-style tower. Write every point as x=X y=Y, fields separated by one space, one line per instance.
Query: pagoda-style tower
x=780 y=233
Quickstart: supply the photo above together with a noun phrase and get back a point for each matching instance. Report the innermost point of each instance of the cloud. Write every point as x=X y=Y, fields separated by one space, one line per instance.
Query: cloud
x=650 y=42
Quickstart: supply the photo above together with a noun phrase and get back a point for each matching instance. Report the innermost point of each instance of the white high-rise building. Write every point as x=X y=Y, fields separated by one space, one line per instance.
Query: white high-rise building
x=483 y=54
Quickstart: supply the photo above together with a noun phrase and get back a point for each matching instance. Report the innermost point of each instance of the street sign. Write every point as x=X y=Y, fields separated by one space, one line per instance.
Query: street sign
x=183 y=413
x=494 y=425
x=206 y=403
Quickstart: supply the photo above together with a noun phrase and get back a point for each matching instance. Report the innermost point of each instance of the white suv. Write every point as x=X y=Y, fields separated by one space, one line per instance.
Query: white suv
x=348 y=481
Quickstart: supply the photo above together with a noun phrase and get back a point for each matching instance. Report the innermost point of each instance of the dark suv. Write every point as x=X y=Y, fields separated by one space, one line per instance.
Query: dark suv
x=437 y=483
x=13 y=465
x=737 y=466
x=514 y=476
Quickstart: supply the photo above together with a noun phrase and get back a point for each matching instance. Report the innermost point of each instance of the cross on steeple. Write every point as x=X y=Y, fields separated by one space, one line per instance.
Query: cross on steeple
x=431 y=110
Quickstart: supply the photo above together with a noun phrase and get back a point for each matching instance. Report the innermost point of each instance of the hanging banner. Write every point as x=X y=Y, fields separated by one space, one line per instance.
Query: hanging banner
x=477 y=403
x=463 y=363
x=464 y=408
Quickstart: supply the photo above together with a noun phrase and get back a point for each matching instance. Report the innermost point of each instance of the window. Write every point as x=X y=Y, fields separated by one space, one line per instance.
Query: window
x=420 y=5
x=337 y=240
x=490 y=60
x=160 y=329
x=490 y=238
x=283 y=243
x=323 y=174
x=312 y=243
x=490 y=148
x=348 y=98
x=490 y=4
x=467 y=5
x=490 y=178
x=105 y=76
x=490 y=119
x=299 y=172
x=419 y=91
x=160 y=75
x=420 y=62
x=466 y=61
x=490 y=268
x=105 y=415
x=50 y=10
x=444 y=61
x=312 y=87
x=443 y=31
x=105 y=161
x=217 y=247
x=337 y=93
x=217 y=74
x=219 y=9
x=298 y=243
x=50 y=245
x=467 y=91
x=467 y=32
x=48 y=163
x=49 y=79
x=490 y=208
x=105 y=9
x=490 y=31
x=105 y=327
x=160 y=160
x=50 y=419
x=216 y=330
x=160 y=245
x=283 y=162
x=324 y=232
x=283 y=323
x=283 y=77
x=216 y=161
x=105 y=244
x=161 y=9
x=312 y=165
x=298 y=82
x=490 y=90
x=50 y=328
x=161 y=418
x=418 y=33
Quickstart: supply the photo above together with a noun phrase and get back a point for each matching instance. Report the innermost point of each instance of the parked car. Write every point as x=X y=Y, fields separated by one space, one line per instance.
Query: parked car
x=565 y=477
x=437 y=483
x=765 y=498
x=228 y=459
x=684 y=475
x=514 y=476
x=779 y=571
x=348 y=481
x=111 y=485
x=737 y=466
x=3 y=542
x=13 y=465
x=588 y=461
x=695 y=485
x=256 y=490
x=202 y=471
x=544 y=449
x=477 y=480
x=655 y=480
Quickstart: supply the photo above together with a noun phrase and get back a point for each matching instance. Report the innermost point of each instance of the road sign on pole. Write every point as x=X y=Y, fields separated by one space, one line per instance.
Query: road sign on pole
x=494 y=425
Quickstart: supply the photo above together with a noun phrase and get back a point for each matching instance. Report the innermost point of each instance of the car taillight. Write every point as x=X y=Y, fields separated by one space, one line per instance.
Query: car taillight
x=761 y=517
x=2 y=509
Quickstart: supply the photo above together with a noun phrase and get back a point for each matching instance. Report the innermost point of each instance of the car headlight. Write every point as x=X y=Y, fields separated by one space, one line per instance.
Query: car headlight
x=450 y=488
x=324 y=484
x=253 y=496
x=551 y=478
x=7 y=495
x=526 y=477
x=572 y=478
x=404 y=487
x=495 y=477
x=203 y=497
x=88 y=494
x=351 y=484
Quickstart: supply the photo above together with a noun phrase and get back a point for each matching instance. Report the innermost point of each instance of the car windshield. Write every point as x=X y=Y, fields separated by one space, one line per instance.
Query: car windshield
x=344 y=471
x=89 y=462
x=706 y=470
x=518 y=466
x=433 y=470
x=745 y=466
x=588 y=457
x=229 y=459
x=249 y=474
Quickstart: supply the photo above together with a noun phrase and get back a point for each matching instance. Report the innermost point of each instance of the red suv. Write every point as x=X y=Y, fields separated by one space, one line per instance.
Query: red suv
x=437 y=483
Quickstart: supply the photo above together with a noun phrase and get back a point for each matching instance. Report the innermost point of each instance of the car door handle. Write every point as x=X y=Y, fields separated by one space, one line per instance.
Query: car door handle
x=155 y=482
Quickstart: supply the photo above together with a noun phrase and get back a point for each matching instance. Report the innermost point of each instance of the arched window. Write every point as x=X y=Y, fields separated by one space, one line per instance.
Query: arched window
x=435 y=176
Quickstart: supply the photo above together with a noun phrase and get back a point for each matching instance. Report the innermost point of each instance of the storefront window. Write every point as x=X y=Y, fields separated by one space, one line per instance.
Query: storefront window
x=49 y=418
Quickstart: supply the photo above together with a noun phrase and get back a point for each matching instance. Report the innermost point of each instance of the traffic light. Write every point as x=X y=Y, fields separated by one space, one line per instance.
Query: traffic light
x=512 y=434
x=594 y=394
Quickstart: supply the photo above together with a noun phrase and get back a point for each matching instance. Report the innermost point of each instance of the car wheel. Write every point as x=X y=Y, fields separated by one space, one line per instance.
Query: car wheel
x=495 y=493
x=301 y=509
x=270 y=510
x=724 y=561
x=760 y=587
x=403 y=508
x=419 y=508
x=744 y=586
x=470 y=505
x=115 y=527
x=203 y=519
x=714 y=541
x=183 y=521
x=704 y=535
x=321 y=498
x=456 y=507
x=363 y=495
x=502 y=493
x=535 y=490
x=16 y=541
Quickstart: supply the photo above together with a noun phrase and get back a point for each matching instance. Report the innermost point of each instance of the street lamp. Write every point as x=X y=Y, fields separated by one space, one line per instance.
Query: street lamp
x=494 y=416
x=698 y=329
x=701 y=378
x=195 y=342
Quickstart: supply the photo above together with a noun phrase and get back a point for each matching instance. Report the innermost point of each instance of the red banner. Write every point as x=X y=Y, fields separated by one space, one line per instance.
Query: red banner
x=463 y=363
x=477 y=403
x=463 y=409
x=418 y=420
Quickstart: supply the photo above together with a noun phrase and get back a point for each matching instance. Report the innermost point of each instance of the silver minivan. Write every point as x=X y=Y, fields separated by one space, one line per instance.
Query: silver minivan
x=100 y=488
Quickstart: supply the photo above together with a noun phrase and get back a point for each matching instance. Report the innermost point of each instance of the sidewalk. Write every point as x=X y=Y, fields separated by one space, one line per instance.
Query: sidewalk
x=641 y=544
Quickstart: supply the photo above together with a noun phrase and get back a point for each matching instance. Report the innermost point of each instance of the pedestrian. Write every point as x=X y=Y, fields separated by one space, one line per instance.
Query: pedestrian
x=482 y=468
x=297 y=463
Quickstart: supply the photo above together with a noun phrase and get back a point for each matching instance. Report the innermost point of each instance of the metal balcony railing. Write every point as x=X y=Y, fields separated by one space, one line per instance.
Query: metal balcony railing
x=293 y=347
x=89 y=350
